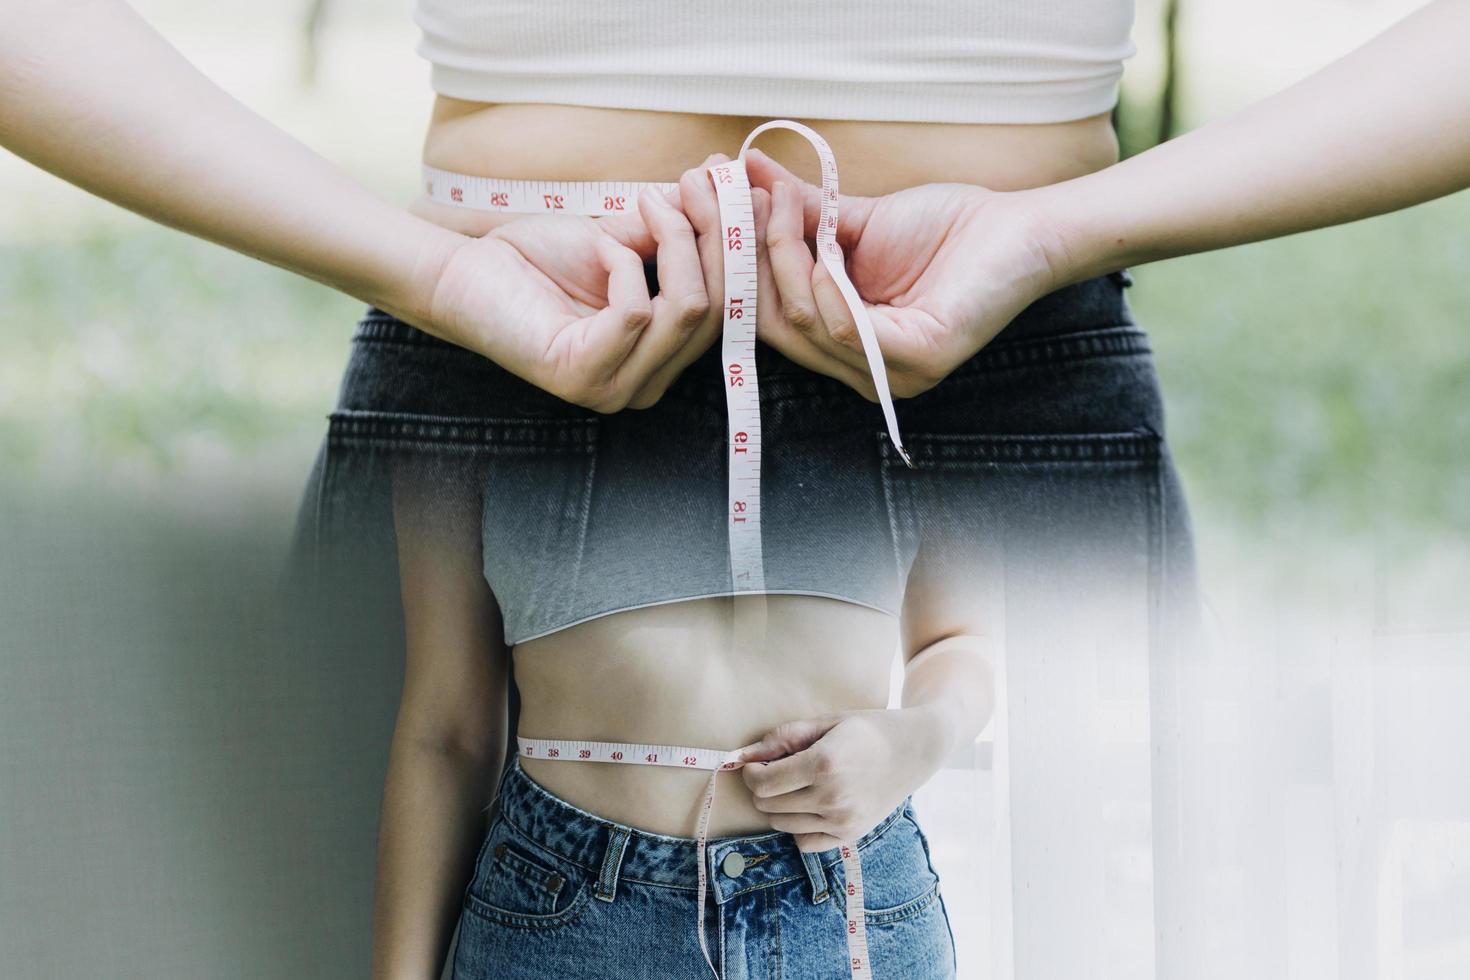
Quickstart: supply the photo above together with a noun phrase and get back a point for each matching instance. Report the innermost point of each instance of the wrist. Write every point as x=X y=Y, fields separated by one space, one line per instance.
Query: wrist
x=935 y=733
x=1078 y=240
x=409 y=292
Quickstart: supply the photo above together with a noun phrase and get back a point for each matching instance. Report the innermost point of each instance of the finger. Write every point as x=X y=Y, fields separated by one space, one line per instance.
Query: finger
x=631 y=229
x=793 y=269
x=791 y=262
x=840 y=324
x=702 y=207
x=771 y=323
x=681 y=311
x=772 y=778
x=682 y=301
x=790 y=737
x=816 y=842
x=834 y=312
x=809 y=799
x=612 y=332
x=696 y=200
x=853 y=210
x=801 y=823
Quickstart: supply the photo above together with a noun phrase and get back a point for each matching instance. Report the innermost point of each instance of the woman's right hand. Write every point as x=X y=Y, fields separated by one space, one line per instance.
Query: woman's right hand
x=562 y=303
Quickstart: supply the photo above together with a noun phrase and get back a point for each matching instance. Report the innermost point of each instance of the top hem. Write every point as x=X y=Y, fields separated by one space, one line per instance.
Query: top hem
x=1028 y=103
x=701 y=595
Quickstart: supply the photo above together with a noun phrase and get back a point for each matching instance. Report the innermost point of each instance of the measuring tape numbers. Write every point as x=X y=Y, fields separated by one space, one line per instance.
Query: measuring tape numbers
x=742 y=403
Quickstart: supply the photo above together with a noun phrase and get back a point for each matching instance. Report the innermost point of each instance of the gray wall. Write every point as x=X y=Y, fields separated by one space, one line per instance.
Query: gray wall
x=185 y=790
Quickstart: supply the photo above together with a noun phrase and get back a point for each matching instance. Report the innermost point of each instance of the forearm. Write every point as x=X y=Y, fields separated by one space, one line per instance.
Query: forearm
x=949 y=690
x=93 y=94
x=1383 y=128
x=433 y=821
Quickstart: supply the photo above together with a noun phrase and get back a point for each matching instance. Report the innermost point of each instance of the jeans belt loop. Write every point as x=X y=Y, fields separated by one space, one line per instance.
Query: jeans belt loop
x=612 y=862
x=817 y=875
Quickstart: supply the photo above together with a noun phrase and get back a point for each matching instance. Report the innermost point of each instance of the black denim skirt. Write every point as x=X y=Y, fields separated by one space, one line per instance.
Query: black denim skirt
x=1041 y=458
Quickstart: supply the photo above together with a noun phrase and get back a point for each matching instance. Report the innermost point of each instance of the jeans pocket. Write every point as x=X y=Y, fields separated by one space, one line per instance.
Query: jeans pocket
x=518 y=884
x=907 y=925
x=914 y=942
x=898 y=879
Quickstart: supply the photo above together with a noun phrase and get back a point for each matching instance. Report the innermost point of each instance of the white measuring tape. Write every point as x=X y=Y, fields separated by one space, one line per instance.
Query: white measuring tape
x=742 y=402
x=717 y=761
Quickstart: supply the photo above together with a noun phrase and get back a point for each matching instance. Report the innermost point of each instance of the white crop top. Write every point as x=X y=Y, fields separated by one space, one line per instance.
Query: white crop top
x=956 y=61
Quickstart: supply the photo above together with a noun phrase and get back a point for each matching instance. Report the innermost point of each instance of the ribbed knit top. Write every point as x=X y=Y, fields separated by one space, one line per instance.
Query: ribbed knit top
x=979 y=61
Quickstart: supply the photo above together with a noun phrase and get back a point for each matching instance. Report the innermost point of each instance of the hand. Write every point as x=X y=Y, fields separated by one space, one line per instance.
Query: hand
x=562 y=301
x=942 y=268
x=835 y=776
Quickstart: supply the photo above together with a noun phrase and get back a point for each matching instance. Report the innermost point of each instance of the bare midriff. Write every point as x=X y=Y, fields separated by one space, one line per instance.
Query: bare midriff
x=680 y=673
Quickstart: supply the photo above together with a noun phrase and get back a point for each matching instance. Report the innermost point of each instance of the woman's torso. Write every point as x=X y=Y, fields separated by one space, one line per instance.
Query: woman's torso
x=669 y=673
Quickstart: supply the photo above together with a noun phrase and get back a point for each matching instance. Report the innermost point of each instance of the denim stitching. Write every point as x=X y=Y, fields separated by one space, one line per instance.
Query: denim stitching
x=764 y=884
x=719 y=936
x=907 y=910
x=1113 y=341
x=1102 y=447
x=529 y=920
x=413 y=431
x=377 y=328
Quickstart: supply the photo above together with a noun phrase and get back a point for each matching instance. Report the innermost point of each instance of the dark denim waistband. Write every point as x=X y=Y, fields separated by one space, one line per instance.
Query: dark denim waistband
x=613 y=851
x=1087 y=319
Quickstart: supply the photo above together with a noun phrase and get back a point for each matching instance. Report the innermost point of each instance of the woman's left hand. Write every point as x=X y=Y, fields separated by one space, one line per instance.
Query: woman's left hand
x=941 y=268
x=832 y=778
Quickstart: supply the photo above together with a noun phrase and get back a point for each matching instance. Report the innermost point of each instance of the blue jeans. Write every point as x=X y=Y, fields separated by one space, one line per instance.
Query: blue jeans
x=562 y=894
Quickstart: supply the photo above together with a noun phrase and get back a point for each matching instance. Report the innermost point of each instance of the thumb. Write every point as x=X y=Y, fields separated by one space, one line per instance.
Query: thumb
x=852 y=210
x=788 y=738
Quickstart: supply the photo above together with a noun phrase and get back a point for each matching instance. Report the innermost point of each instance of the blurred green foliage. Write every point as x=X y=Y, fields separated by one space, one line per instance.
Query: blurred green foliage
x=1323 y=378
x=142 y=352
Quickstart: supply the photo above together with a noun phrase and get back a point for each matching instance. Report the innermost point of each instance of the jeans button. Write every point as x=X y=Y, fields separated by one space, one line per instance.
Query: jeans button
x=733 y=864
